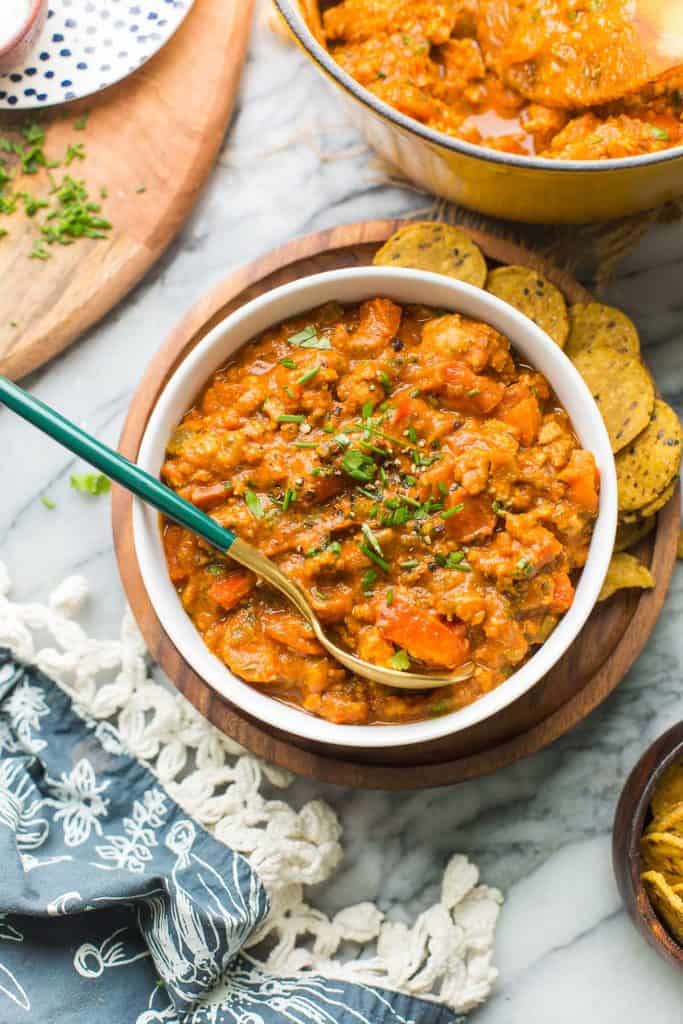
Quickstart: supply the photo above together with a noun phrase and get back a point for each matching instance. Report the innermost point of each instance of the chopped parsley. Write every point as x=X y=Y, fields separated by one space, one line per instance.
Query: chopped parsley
x=371 y=538
x=291 y=418
x=368 y=580
x=253 y=503
x=358 y=465
x=400 y=661
x=309 y=338
x=309 y=375
x=90 y=483
x=374 y=557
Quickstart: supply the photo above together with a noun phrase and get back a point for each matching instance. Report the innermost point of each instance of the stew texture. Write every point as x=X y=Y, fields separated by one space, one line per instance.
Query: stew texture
x=423 y=486
x=565 y=79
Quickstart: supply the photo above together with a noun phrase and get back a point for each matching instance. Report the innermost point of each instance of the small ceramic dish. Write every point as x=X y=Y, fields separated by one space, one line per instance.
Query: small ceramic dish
x=17 y=47
x=631 y=818
x=347 y=286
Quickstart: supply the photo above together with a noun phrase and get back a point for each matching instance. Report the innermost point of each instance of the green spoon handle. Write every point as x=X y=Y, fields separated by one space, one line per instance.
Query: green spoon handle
x=113 y=465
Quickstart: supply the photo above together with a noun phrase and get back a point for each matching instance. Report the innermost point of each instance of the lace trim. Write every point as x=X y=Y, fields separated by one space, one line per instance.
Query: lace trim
x=445 y=956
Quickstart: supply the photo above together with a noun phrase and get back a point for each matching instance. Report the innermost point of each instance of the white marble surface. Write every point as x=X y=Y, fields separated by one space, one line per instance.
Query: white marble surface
x=540 y=830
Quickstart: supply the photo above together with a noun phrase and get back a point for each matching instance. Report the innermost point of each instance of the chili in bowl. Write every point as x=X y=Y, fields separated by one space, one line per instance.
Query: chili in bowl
x=422 y=459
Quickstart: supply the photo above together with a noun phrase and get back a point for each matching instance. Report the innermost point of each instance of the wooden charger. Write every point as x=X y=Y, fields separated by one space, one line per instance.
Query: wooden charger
x=606 y=648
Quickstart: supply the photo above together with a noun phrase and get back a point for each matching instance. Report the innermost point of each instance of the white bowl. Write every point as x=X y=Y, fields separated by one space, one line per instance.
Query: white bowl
x=354 y=285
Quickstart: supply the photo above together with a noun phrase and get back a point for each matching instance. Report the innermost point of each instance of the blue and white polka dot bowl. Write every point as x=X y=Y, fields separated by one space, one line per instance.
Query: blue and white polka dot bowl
x=85 y=46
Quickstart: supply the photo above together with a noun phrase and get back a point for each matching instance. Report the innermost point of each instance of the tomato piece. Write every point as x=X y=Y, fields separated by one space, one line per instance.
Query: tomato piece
x=292 y=632
x=474 y=521
x=423 y=635
x=230 y=590
x=582 y=478
x=471 y=393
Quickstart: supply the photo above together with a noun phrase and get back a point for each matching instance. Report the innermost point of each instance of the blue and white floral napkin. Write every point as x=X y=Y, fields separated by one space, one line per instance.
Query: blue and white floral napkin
x=116 y=907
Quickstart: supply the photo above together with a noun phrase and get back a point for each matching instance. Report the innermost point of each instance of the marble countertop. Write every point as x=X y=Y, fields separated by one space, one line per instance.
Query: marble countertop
x=540 y=830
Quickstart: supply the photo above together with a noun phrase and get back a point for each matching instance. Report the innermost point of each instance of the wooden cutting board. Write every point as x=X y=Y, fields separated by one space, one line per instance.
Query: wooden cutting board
x=609 y=643
x=151 y=142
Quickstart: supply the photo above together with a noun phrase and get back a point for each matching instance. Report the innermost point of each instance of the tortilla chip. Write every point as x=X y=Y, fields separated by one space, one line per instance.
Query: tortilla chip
x=441 y=248
x=669 y=821
x=622 y=388
x=650 y=510
x=668 y=791
x=666 y=903
x=663 y=852
x=647 y=467
x=533 y=295
x=592 y=325
x=629 y=533
x=625 y=571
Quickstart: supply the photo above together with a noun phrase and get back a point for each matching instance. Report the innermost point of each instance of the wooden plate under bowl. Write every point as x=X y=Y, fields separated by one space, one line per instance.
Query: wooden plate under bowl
x=608 y=645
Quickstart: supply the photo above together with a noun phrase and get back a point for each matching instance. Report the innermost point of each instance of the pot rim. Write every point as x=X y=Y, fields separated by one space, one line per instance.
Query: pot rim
x=300 y=30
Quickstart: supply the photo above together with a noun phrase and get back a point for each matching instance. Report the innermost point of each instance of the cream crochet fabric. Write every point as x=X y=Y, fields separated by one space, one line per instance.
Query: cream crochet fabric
x=446 y=955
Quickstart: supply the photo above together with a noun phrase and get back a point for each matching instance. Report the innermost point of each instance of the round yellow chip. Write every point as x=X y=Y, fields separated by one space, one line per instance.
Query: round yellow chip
x=441 y=248
x=652 y=508
x=533 y=295
x=622 y=389
x=646 y=469
x=629 y=533
x=592 y=325
x=625 y=571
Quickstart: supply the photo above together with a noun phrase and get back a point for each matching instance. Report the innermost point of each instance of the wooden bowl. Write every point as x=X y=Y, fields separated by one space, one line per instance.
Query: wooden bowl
x=631 y=817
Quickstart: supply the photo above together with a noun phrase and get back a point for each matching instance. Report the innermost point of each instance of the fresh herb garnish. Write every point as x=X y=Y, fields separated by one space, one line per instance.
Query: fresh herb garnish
x=447 y=513
x=90 y=483
x=366 y=410
x=400 y=661
x=216 y=568
x=454 y=560
x=371 y=538
x=358 y=465
x=309 y=375
x=289 y=363
x=374 y=557
x=288 y=499
x=309 y=338
x=368 y=579
x=288 y=417
x=48 y=502
x=253 y=503
x=385 y=380
x=410 y=563
x=525 y=566
x=390 y=596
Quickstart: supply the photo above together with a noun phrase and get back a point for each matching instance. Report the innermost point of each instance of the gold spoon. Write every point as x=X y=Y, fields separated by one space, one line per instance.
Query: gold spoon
x=166 y=501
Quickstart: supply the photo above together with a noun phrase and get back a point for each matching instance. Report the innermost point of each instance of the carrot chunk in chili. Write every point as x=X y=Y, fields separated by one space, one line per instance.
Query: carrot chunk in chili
x=424 y=488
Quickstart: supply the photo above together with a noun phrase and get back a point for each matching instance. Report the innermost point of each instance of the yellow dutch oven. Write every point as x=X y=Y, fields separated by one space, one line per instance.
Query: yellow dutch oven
x=522 y=188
